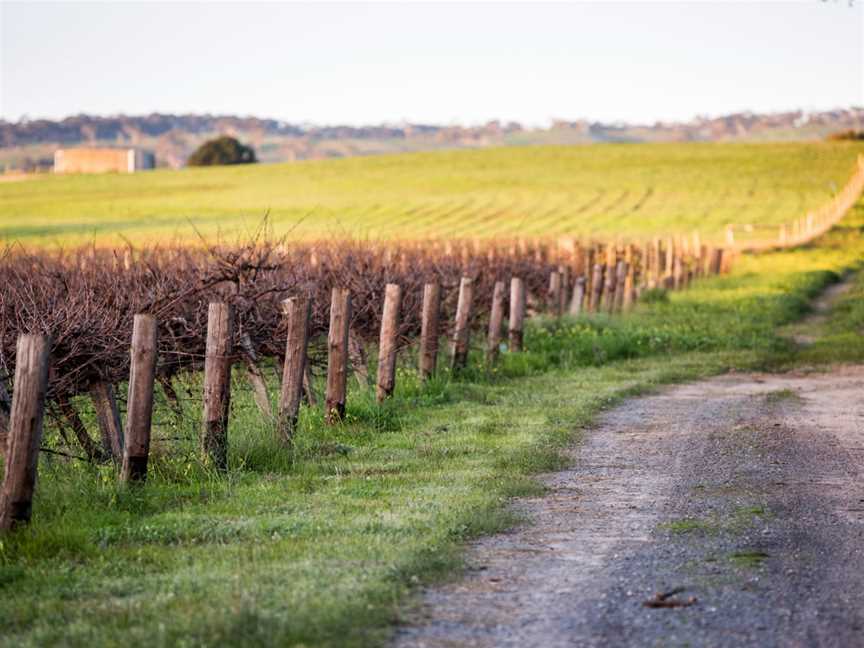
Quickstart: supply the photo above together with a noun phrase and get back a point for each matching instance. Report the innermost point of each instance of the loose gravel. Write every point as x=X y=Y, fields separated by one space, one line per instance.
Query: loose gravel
x=743 y=491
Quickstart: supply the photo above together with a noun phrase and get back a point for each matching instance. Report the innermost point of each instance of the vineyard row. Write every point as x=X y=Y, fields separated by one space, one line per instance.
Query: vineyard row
x=67 y=317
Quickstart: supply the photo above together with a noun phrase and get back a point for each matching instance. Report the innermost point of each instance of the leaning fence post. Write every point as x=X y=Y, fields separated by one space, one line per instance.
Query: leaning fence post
x=297 y=311
x=461 y=331
x=429 y=330
x=564 y=271
x=25 y=430
x=256 y=377
x=677 y=272
x=630 y=283
x=139 y=408
x=496 y=318
x=716 y=261
x=578 y=296
x=515 y=324
x=555 y=292
x=621 y=286
x=337 y=354
x=108 y=417
x=217 y=384
x=596 y=288
x=387 y=342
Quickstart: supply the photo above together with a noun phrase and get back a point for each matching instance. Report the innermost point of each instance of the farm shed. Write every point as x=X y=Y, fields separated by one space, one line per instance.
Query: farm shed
x=102 y=160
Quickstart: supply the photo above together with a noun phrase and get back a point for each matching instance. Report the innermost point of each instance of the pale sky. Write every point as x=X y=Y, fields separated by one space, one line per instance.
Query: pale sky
x=435 y=63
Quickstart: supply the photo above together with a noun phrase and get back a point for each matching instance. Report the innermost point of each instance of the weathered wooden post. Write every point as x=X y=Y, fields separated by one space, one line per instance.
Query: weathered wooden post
x=260 y=394
x=631 y=285
x=555 y=293
x=139 y=407
x=707 y=255
x=387 y=342
x=516 y=322
x=621 y=282
x=657 y=264
x=564 y=290
x=611 y=288
x=25 y=430
x=217 y=384
x=578 y=296
x=669 y=259
x=337 y=355
x=461 y=331
x=108 y=417
x=698 y=254
x=589 y=279
x=716 y=260
x=496 y=319
x=297 y=311
x=677 y=272
x=429 y=333
x=596 y=288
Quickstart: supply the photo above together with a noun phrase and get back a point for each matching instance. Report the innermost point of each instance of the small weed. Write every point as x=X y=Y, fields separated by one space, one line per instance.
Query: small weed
x=749 y=559
x=654 y=296
x=687 y=525
x=782 y=395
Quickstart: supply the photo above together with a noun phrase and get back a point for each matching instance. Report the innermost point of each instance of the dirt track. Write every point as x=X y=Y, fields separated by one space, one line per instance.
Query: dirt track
x=745 y=490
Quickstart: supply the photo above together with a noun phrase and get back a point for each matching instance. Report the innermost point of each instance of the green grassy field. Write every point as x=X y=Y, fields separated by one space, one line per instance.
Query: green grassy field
x=322 y=545
x=605 y=190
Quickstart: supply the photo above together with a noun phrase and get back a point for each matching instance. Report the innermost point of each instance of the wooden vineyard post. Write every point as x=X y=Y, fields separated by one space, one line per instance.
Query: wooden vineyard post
x=726 y=258
x=496 y=319
x=707 y=260
x=578 y=296
x=630 y=256
x=668 y=268
x=621 y=282
x=429 y=330
x=716 y=260
x=256 y=377
x=611 y=296
x=564 y=289
x=555 y=293
x=596 y=288
x=139 y=408
x=217 y=385
x=630 y=283
x=462 y=331
x=297 y=311
x=105 y=404
x=611 y=285
x=387 y=342
x=516 y=322
x=25 y=430
x=589 y=267
x=337 y=355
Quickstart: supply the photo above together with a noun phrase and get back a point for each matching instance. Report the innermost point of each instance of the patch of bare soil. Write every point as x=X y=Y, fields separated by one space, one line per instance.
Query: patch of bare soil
x=724 y=513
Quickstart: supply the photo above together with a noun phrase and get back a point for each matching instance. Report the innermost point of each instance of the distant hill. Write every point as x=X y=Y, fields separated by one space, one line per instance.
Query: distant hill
x=29 y=144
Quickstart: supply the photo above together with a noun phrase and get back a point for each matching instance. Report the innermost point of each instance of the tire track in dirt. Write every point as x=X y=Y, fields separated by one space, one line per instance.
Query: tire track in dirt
x=745 y=490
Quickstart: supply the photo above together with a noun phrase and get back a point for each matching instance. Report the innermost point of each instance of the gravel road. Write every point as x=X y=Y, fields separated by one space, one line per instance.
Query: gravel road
x=744 y=491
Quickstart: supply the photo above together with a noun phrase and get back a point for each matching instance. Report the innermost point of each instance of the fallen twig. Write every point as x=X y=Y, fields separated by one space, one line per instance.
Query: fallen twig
x=665 y=600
